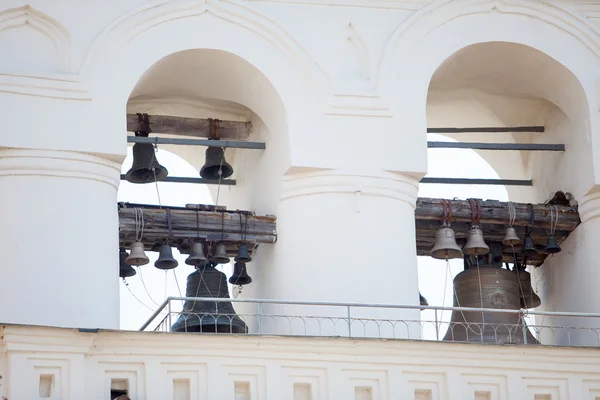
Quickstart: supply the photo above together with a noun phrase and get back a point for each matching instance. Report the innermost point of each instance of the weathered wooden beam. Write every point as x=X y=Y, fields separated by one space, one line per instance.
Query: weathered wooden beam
x=232 y=227
x=498 y=129
x=496 y=213
x=184 y=126
x=497 y=146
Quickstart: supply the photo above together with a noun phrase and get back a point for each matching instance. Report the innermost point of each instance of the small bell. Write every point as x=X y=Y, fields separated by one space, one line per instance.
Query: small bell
x=137 y=255
x=445 y=246
x=243 y=255
x=552 y=246
x=196 y=257
x=529 y=299
x=215 y=167
x=125 y=270
x=528 y=247
x=510 y=237
x=240 y=274
x=165 y=258
x=422 y=300
x=220 y=256
x=145 y=167
x=475 y=243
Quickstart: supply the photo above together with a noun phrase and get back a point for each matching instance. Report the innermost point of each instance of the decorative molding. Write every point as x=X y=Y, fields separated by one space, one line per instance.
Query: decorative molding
x=64 y=87
x=391 y=185
x=358 y=105
x=408 y=5
x=158 y=12
x=65 y=164
x=431 y=17
x=29 y=18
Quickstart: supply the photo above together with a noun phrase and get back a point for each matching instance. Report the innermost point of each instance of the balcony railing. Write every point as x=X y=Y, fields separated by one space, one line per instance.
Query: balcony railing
x=355 y=320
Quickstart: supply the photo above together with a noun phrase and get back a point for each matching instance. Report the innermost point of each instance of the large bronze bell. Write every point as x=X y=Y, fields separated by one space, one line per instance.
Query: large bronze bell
x=145 y=168
x=445 y=246
x=552 y=246
x=220 y=255
x=196 y=257
x=165 y=258
x=499 y=289
x=528 y=247
x=137 y=255
x=475 y=244
x=422 y=300
x=216 y=167
x=125 y=270
x=206 y=316
x=243 y=254
x=240 y=275
x=529 y=299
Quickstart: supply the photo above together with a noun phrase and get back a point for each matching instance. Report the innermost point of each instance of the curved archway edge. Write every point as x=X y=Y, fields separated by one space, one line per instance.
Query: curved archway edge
x=423 y=42
x=135 y=42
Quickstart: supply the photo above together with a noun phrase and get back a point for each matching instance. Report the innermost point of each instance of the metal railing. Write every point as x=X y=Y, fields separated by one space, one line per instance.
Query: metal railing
x=356 y=320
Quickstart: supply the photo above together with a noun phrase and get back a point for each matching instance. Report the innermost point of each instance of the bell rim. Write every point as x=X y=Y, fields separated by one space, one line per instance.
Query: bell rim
x=163 y=268
x=145 y=260
x=161 y=173
x=452 y=254
x=226 y=168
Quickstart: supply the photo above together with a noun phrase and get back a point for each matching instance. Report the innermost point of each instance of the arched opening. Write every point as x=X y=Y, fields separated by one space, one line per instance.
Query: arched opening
x=501 y=84
x=206 y=84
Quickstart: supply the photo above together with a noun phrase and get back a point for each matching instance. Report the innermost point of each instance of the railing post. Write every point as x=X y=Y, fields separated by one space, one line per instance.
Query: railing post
x=437 y=328
x=524 y=327
x=260 y=313
x=349 y=322
x=169 y=316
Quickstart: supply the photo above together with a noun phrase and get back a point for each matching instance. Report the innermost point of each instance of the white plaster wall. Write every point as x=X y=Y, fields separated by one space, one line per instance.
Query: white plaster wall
x=163 y=366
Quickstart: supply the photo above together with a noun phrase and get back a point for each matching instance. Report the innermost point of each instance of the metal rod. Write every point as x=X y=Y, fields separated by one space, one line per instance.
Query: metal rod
x=198 y=142
x=182 y=179
x=467 y=181
x=488 y=129
x=155 y=314
x=497 y=146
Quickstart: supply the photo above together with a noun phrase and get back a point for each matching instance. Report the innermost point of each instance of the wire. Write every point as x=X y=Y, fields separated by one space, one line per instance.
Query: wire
x=145 y=288
x=135 y=297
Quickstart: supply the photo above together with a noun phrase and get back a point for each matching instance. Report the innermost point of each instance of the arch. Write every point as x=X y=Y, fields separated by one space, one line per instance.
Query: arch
x=29 y=17
x=422 y=43
x=138 y=40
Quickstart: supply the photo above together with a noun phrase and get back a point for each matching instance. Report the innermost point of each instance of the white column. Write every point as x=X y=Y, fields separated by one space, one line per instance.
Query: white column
x=58 y=239
x=342 y=237
x=568 y=282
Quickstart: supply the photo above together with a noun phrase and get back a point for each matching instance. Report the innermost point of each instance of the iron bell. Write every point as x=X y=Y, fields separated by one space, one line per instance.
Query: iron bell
x=552 y=246
x=220 y=255
x=487 y=287
x=475 y=243
x=240 y=274
x=197 y=257
x=125 y=270
x=243 y=255
x=137 y=255
x=145 y=165
x=445 y=246
x=216 y=167
x=510 y=237
x=529 y=299
x=422 y=300
x=207 y=316
x=528 y=247
x=165 y=258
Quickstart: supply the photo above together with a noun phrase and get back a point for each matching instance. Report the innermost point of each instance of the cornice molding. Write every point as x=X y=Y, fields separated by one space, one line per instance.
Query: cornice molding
x=65 y=164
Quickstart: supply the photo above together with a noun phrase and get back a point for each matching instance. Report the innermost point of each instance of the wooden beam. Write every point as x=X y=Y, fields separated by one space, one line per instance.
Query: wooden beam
x=470 y=181
x=197 y=127
x=189 y=224
x=498 y=129
x=497 y=146
x=494 y=212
